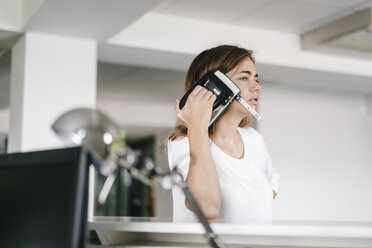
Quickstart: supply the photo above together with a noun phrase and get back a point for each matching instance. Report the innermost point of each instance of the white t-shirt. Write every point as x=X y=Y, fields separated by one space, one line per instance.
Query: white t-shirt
x=247 y=184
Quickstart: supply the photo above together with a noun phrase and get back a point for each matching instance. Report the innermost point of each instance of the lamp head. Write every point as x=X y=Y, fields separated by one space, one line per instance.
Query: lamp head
x=94 y=130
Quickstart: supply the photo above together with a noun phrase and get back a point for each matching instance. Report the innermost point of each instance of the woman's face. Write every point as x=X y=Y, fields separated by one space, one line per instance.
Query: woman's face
x=246 y=78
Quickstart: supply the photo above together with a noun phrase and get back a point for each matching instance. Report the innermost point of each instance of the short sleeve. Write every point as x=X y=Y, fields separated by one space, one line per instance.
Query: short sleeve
x=271 y=173
x=179 y=155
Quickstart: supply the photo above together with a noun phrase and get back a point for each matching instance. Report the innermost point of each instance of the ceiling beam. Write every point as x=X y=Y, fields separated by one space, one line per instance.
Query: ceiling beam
x=339 y=29
x=188 y=37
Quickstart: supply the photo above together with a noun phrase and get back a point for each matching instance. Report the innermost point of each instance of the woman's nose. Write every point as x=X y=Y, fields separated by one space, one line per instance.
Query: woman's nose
x=255 y=86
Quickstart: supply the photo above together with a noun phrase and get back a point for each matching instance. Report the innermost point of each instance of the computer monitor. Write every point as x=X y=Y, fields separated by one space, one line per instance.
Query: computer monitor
x=43 y=198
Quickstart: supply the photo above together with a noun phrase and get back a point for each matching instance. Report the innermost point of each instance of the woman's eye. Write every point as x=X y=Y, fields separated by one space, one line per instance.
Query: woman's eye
x=248 y=79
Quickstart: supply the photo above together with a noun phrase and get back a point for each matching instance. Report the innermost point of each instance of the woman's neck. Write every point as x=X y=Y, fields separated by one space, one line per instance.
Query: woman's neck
x=226 y=130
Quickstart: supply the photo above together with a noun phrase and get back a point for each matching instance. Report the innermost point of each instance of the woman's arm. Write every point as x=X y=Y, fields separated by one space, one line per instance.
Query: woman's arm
x=202 y=176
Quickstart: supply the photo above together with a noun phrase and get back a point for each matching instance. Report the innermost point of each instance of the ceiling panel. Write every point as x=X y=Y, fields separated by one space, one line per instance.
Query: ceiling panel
x=288 y=15
x=221 y=11
x=342 y=4
x=367 y=4
x=328 y=19
x=91 y=19
x=294 y=16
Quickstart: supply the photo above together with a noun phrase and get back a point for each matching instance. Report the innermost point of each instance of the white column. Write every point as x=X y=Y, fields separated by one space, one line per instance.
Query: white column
x=49 y=75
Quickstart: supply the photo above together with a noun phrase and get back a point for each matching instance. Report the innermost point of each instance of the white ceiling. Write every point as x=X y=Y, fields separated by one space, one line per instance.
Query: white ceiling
x=279 y=15
x=294 y=16
x=128 y=72
x=97 y=20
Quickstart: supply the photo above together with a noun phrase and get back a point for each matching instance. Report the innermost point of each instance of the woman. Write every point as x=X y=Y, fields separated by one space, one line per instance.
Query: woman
x=226 y=166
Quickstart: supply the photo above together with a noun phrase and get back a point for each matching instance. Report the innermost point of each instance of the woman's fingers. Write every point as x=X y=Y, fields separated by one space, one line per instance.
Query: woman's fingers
x=209 y=94
x=212 y=97
x=202 y=93
x=197 y=90
x=205 y=94
x=198 y=107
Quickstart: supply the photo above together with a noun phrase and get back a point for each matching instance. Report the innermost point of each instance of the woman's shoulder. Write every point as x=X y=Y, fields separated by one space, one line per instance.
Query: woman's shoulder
x=178 y=154
x=177 y=144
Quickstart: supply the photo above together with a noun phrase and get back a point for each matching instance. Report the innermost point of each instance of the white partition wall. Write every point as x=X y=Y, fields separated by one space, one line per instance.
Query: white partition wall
x=321 y=144
x=49 y=75
x=369 y=105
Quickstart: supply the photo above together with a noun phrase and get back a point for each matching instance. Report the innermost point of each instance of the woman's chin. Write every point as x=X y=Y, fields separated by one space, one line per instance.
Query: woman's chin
x=253 y=105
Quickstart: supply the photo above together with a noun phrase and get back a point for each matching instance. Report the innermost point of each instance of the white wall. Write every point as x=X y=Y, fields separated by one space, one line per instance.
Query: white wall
x=139 y=113
x=369 y=105
x=321 y=146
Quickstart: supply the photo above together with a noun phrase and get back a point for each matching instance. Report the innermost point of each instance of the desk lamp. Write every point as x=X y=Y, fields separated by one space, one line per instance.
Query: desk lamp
x=97 y=132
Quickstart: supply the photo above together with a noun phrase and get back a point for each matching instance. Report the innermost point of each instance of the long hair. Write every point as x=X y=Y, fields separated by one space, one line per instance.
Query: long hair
x=224 y=58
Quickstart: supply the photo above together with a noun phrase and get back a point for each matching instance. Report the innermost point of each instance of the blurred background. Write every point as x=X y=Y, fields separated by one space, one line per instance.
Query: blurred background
x=128 y=58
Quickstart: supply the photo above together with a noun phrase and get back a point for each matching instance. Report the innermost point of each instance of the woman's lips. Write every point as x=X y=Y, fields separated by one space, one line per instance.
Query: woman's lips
x=253 y=101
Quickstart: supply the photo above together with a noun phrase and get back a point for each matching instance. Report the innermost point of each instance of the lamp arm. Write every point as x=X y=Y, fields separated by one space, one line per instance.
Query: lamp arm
x=175 y=178
x=110 y=179
x=213 y=240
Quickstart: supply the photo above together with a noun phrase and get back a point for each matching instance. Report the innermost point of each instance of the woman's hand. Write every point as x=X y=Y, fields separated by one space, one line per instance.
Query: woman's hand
x=198 y=108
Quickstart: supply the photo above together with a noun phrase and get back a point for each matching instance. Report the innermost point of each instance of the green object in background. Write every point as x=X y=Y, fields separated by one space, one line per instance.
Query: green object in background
x=128 y=196
x=3 y=143
x=122 y=135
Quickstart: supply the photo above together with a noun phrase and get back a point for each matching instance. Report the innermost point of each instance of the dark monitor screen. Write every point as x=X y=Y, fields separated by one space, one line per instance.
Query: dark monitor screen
x=43 y=198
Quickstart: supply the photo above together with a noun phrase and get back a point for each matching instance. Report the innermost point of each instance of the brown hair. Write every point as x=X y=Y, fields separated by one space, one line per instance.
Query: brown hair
x=224 y=58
